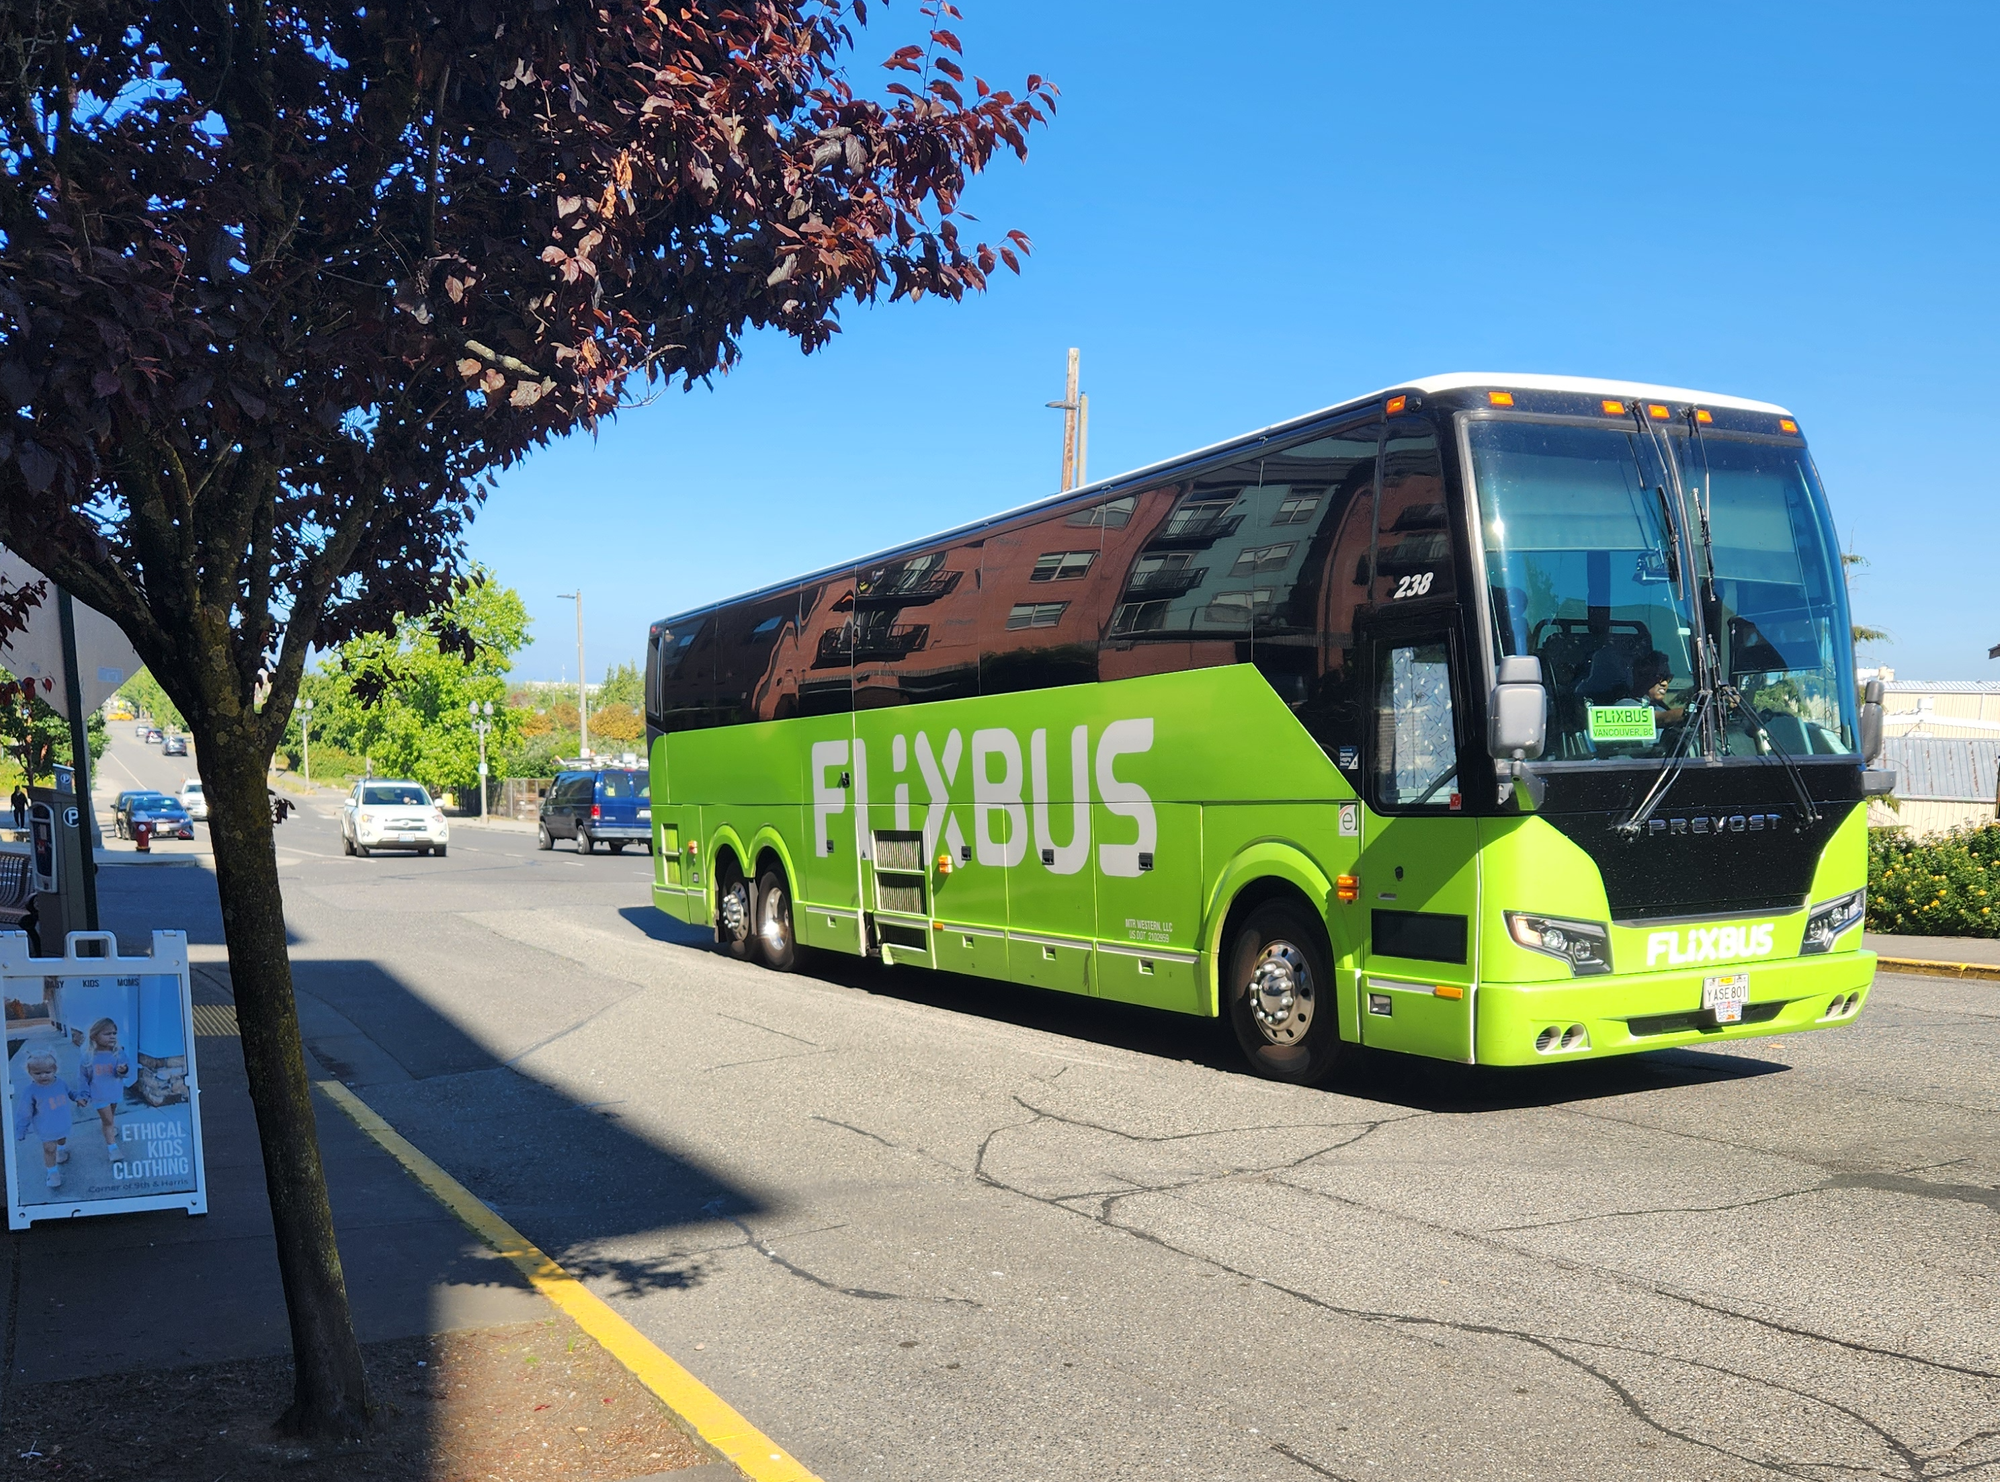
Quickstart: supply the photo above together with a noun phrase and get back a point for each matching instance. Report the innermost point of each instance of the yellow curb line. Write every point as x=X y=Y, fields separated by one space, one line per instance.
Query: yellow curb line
x=755 y=1454
x=1938 y=969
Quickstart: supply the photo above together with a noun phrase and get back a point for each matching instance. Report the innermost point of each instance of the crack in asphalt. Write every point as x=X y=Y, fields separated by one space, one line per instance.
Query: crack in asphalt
x=753 y=1024
x=1912 y=1463
x=1307 y=1462
x=769 y=1253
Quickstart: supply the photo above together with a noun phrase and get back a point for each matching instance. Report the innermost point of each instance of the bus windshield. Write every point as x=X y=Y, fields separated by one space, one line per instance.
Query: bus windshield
x=1593 y=568
x=1781 y=612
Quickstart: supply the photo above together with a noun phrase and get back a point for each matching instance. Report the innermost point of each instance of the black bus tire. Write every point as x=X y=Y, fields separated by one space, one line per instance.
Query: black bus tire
x=1278 y=992
x=777 y=946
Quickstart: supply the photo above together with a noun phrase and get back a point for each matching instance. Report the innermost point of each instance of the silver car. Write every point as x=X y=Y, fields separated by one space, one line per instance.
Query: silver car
x=194 y=800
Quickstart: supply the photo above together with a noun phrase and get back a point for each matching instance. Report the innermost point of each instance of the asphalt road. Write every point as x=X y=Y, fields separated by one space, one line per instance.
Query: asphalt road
x=921 y=1227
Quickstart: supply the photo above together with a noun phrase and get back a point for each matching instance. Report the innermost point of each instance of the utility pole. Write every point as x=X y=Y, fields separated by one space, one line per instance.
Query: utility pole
x=1075 y=408
x=305 y=735
x=582 y=688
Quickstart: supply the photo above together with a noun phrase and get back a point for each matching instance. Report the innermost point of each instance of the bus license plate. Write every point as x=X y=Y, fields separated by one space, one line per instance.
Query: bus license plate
x=1725 y=996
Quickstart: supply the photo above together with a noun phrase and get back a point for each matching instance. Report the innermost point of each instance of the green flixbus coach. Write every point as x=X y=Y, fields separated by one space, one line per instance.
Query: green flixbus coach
x=1500 y=719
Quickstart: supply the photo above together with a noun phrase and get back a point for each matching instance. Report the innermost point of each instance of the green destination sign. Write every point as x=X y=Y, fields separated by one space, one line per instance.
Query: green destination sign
x=1623 y=723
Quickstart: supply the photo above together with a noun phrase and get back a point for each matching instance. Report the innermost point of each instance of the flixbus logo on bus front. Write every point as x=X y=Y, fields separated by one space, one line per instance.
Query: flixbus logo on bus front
x=1709 y=944
x=1010 y=796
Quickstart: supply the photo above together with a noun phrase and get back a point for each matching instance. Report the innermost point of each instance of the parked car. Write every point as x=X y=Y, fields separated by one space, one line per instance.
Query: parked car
x=610 y=804
x=194 y=799
x=168 y=818
x=391 y=815
x=154 y=736
x=174 y=746
x=121 y=810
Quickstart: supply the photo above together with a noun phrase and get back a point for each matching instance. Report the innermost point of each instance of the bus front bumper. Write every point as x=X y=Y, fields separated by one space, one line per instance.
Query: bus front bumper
x=1622 y=1014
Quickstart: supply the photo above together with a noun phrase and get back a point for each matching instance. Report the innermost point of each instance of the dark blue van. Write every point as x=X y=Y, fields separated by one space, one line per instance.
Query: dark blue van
x=608 y=805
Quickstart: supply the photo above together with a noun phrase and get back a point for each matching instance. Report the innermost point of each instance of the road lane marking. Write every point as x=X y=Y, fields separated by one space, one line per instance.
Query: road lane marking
x=714 y=1419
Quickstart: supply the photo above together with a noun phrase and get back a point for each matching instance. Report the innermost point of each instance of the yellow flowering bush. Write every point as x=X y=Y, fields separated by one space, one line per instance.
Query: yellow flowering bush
x=1944 y=886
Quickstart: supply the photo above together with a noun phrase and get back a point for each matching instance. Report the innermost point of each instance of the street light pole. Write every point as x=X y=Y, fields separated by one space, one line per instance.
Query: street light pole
x=305 y=735
x=480 y=728
x=582 y=687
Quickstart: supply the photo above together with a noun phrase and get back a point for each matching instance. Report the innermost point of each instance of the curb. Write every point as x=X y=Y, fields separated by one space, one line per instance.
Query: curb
x=710 y=1416
x=1923 y=967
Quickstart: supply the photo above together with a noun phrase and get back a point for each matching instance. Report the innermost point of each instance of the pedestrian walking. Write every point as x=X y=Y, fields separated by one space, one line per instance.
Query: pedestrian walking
x=20 y=802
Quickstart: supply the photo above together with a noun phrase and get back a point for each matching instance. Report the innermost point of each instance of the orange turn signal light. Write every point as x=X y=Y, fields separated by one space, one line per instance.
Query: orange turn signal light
x=944 y=864
x=1787 y=424
x=1396 y=404
x=1657 y=412
x=1613 y=408
x=1500 y=398
x=1448 y=990
x=1347 y=888
x=1703 y=416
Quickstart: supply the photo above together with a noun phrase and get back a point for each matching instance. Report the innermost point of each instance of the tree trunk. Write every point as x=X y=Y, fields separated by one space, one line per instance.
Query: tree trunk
x=330 y=1389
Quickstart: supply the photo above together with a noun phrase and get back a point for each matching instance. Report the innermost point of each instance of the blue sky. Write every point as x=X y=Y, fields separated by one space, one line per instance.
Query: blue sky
x=1243 y=213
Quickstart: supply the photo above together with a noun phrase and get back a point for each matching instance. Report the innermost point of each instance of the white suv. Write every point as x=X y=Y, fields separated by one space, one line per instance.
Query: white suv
x=391 y=815
x=194 y=800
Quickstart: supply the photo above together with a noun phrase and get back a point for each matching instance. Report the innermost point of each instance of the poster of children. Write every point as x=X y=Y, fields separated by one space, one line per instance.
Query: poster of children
x=99 y=1091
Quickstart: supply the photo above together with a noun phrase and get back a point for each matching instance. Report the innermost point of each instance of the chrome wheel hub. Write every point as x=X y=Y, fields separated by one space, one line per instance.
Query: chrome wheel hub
x=777 y=920
x=736 y=911
x=1281 y=993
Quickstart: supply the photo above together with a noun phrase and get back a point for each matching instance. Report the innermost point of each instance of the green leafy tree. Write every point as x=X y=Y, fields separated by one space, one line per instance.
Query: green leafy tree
x=401 y=699
x=143 y=693
x=624 y=684
x=35 y=736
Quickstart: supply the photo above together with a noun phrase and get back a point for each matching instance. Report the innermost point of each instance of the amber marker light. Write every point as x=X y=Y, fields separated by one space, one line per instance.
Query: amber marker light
x=1703 y=416
x=1786 y=424
x=1447 y=990
x=1657 y=412
x=1396 y=404
x=944 y=864
x=1613 y=408
x=1500 y=398
x=1347 y=888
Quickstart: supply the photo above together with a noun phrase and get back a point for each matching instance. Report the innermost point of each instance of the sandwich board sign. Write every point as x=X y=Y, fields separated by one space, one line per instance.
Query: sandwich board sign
x=103 y=1104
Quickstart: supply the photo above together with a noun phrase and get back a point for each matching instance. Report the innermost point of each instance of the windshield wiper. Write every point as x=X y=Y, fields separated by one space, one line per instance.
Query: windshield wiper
x=1664 y=782
x=1797 y=775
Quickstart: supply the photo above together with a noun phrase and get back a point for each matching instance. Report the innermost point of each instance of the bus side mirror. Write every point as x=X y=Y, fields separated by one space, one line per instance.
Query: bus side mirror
x=1871 y=722
x=1517 y=714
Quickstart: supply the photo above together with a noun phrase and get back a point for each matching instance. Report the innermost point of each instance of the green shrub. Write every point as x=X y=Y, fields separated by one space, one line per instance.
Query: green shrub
x=1944 y=886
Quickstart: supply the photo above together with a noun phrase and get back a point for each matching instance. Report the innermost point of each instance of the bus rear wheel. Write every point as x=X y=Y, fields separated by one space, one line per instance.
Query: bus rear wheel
x=1280 y=994
x=777 y=948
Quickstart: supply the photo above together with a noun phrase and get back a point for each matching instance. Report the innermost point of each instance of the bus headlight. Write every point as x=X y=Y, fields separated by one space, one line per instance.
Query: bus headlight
x=1830 y=918
x=1584 y=945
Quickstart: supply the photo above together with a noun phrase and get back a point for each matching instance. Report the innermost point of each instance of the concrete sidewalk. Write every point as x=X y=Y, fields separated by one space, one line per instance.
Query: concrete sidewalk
x=1975 y=958
x=163 y=1289
x=160 y=1290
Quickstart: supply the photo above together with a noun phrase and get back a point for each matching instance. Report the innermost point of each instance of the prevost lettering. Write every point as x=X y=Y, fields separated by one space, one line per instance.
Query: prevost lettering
x=1709 y=944
x=1718 y=823
x=1011 y=797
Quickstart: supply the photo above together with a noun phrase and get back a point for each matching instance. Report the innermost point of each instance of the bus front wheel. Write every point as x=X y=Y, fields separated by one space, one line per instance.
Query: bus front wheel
x=1280 y=995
